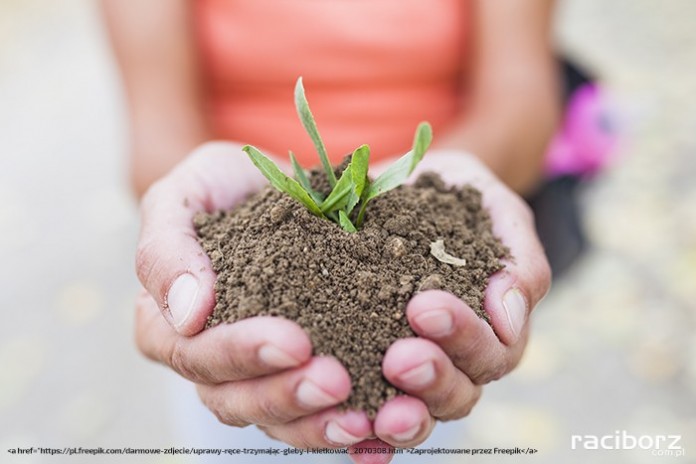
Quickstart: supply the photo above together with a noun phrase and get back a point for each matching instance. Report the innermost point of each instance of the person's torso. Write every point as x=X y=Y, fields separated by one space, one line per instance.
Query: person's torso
x=372 y=69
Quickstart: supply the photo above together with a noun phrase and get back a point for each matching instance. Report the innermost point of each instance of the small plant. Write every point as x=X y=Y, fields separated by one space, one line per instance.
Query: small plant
x=353 y=190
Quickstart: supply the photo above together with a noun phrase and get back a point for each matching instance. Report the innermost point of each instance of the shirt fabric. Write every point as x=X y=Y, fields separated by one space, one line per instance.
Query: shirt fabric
x=372 y=70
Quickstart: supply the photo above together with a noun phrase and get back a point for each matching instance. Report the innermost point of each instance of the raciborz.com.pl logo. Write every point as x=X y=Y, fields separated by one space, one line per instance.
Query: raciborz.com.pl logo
x=658 y=445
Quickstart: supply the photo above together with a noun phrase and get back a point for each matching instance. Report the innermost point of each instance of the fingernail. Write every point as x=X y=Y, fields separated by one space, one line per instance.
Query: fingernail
x=338 y=435
x=516 y=309
x=275 y=357
x=420 y=376
x=309 y=394
x=181 y=298
x=436 y=322
x=407 y=435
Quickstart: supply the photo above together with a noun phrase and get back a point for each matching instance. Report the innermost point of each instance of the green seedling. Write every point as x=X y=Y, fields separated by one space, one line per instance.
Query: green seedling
x=353 y=190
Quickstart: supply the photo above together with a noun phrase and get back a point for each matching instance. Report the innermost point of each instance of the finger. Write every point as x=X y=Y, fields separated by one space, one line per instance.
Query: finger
x=169 y=261
x=371 y=452
x=514 y=291
x=327 y=429
x=245 y=349
x=279 y=398
x=403 y=421
x=468 y=340
x=420 y=368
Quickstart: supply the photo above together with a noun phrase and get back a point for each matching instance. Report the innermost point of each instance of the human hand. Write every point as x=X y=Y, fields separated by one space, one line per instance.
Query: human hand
x=256 y=371
x=442 y=371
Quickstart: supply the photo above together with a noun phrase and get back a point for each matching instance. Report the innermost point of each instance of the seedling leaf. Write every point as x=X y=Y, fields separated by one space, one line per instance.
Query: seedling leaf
x=400 y=170
x=354 y=187
x=346 y=194
x=280 y=181
x=344 y=220
x=340 y=195
x=359 y=163
x=421 y=142
x=303 y=180
x=311 y=127
x=398 y=173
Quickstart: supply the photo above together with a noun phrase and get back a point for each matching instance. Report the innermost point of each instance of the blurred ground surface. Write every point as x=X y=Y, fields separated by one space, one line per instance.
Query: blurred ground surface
x=613 y=346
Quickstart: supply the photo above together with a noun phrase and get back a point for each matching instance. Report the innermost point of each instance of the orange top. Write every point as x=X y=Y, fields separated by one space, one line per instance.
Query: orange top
x=372 y=70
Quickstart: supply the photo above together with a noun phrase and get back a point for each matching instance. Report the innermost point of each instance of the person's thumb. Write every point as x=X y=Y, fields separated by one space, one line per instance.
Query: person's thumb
x=170 y=263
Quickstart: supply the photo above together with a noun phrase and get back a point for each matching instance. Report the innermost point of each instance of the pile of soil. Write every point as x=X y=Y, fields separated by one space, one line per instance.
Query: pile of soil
x=349 y=290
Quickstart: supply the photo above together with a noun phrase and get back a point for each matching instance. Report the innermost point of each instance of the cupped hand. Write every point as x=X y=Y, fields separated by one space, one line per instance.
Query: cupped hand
x=256 y=371
x=442 y=371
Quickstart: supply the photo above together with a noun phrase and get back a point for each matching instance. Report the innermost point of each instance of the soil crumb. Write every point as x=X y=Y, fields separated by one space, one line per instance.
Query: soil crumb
x=349 y=290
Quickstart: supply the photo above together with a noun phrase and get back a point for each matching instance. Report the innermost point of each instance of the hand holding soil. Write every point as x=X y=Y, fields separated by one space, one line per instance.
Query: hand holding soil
x=441 y=372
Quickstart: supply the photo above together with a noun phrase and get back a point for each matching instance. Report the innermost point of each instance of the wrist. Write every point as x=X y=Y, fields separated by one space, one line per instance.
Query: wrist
x=522 y=175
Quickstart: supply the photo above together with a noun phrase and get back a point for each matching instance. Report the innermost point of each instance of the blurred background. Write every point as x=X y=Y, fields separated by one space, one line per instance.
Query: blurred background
x=613 y=346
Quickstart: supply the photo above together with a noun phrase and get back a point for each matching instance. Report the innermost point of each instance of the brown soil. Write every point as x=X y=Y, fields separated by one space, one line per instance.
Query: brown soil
x=349 y=290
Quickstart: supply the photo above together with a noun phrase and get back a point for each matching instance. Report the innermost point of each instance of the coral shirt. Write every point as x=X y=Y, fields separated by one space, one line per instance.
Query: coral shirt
x=372 y=70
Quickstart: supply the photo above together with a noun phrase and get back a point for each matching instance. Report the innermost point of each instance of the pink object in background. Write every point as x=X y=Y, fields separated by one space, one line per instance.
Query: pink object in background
x=588 y=137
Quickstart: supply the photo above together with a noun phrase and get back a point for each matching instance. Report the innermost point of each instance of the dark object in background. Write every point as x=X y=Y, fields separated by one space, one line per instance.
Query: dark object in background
x=559 y=222
x=573 y=79
x=555 y=204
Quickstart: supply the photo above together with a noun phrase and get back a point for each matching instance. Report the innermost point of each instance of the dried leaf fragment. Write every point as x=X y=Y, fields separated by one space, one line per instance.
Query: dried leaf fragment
x=437 y=249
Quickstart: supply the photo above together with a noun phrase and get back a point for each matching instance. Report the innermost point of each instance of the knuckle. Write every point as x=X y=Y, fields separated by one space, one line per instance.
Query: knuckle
x=228 y=418
x=271 y=432
x=178 y=361
x=139 y=326
x=236 y=365
x=490 y=373
x=467 y=406
x=536 y=282
x=297 y=437
x=289 y=435
x=273 y=412
x=464 y=407
x=145 y=262
x=144 y=321
x=141 y=344
x=215 y=403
